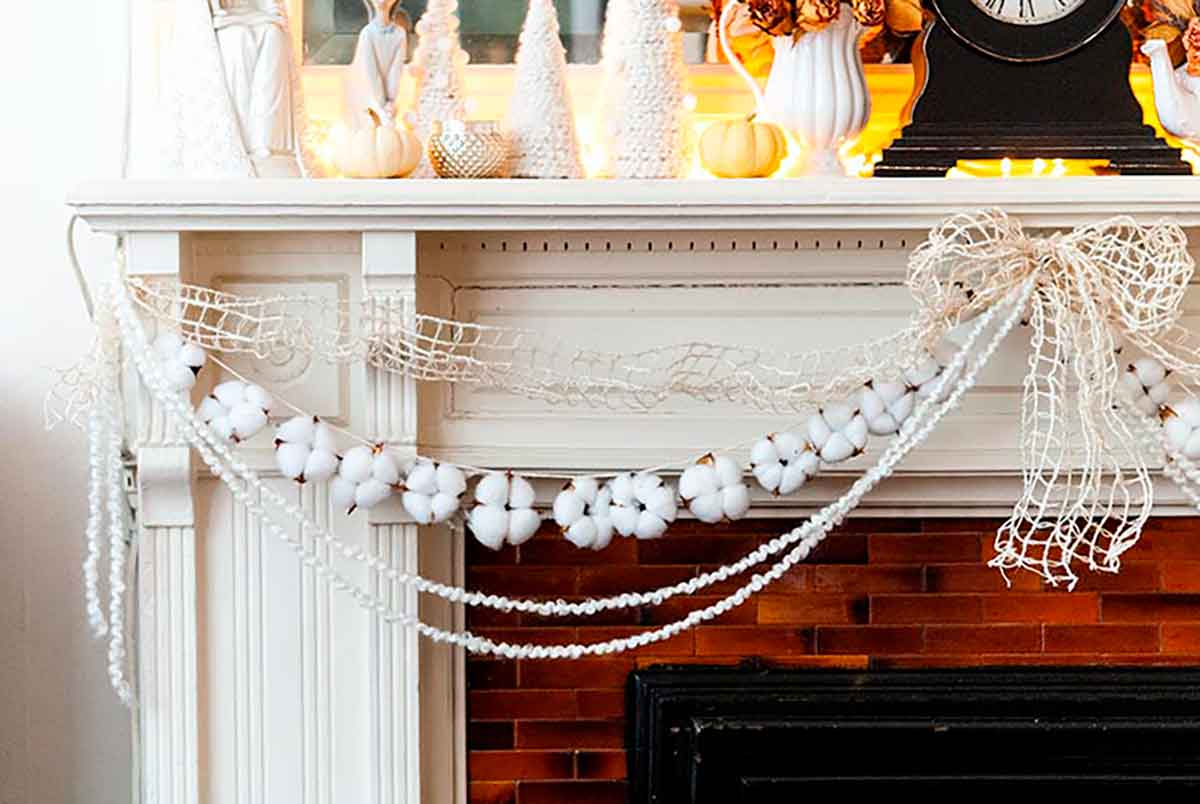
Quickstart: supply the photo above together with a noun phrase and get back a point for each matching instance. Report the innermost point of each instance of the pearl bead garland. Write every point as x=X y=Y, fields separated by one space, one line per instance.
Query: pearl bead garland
x=240 y=480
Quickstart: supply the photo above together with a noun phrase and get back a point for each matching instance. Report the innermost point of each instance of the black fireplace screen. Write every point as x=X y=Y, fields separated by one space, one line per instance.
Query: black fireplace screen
x=728 y=735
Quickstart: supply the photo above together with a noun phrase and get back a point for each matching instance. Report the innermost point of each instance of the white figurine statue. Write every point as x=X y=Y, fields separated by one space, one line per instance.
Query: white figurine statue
x=256 y=55
x=378 y=66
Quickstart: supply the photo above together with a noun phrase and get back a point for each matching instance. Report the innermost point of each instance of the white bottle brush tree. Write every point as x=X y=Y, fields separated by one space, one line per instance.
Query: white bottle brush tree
x=437 y=66
x=649 y=134
x=541 y=123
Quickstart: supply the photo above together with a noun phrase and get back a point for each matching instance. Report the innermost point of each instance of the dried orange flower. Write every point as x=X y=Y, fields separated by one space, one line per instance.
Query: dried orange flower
x=813 y=15
x=776 y=17
x=1191 y=42
x=869 y=12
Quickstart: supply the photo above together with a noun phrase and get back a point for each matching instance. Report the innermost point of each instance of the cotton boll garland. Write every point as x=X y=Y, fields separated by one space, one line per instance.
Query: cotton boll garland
x=433 y=491
x=504 y=511
x=366 y=477
x=236 y=411
x=838 y=433
x=783 y=462
x=583 y=509
x=181 y=360
x=713 y=490
x=305 y=449
x=642 y=505
x=1145 y=385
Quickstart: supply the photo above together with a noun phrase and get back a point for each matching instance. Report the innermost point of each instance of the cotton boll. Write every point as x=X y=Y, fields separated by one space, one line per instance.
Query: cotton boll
x=433 y=491
x=292 y=460
x=305 y=449
x=489 y=525
x=181 y=361
x=838 y=433
x=492 y=489
x=569 y=507
x=423 y=479
x=451 y=480
x=1181 y=428
x=642 y=505
x=321 y=465
x=385 y=470
x=735 y=501
x=444 y=506
x=298 y=430
x=248 y=421
x=707 y=508
x=356 y=465
x=520 y=493
x=512 y=498
x=523 y=523
x=704 y=486
x=371 y=493
x=192 y=356
x=419 y=507
x=342 y=494
x=1144 y=384
x=582 y=532
x=210 y=409
x=230 y=394
x=259 y=398
x=783 y=462
x=927 y=374
x=886 y=406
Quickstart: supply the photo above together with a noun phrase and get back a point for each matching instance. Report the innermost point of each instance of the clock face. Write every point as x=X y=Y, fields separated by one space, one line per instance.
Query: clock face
x=1027 y=30
x=1028 y=12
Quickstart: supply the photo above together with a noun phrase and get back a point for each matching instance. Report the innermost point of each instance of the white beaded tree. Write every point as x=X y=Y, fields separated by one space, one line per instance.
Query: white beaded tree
x=541 y=123
x=437 y=66
x=649 y=131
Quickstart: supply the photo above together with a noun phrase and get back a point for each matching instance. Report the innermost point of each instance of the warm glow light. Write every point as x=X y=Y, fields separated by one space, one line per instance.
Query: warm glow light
x=1026 y=168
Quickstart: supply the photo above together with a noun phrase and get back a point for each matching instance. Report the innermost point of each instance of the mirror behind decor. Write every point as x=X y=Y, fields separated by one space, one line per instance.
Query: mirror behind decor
x=489 y=28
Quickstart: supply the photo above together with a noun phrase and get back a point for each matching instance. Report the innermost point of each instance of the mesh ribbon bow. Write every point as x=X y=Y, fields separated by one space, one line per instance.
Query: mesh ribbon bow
x=1087 y=486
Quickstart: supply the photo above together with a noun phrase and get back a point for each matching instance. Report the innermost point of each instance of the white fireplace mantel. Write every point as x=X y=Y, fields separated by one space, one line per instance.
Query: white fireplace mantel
x=258 y=684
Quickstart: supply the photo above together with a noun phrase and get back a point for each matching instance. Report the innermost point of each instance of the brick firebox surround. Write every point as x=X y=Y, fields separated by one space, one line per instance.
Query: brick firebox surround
x=879 y=593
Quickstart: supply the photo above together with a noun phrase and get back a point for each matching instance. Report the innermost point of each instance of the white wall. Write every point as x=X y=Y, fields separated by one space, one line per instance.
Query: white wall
x=63 y=736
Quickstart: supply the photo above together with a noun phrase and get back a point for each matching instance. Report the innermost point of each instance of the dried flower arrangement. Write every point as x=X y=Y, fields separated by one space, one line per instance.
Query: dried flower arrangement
x=893 y=22
x=798 y=17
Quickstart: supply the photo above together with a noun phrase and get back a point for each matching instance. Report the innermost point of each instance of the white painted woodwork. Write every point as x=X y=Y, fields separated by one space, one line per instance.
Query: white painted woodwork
x=258 y=684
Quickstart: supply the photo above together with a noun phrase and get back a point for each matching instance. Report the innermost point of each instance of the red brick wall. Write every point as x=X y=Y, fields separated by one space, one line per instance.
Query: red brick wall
x=879 y=593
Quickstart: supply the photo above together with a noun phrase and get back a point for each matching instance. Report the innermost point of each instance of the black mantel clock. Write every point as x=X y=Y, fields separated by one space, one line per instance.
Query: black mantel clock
x=1025 y=79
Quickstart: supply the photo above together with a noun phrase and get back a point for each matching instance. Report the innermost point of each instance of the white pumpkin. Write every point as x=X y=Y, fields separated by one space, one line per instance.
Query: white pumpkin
x=379 y=152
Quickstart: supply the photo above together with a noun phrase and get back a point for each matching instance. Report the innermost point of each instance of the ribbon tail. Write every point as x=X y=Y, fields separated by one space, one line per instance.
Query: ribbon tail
x=1033 y=538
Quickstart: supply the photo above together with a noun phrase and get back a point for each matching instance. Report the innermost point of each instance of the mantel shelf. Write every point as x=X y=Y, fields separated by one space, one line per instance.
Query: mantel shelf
x=515 y=205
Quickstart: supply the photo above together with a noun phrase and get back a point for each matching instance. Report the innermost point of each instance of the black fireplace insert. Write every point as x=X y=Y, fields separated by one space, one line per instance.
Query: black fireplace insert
x=747 y=735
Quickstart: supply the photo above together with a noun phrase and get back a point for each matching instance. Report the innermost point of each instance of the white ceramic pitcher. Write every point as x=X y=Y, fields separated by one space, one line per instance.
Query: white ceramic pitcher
x=817 y=88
